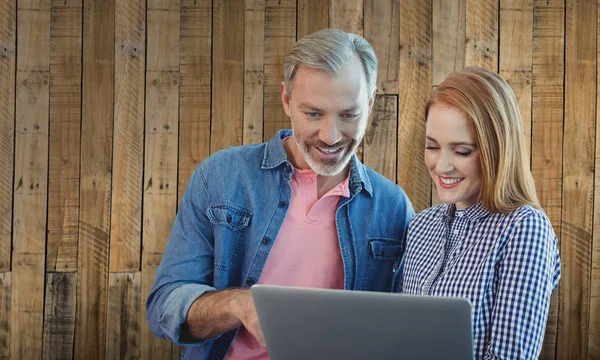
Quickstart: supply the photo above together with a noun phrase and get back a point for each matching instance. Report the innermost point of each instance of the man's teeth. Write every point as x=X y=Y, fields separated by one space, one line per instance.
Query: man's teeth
x=451 y=181
x=329 y=151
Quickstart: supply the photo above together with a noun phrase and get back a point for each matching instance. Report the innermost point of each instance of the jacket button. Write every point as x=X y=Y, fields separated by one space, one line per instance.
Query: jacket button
x=250 y=282
x=282 y=204
x=266 y=240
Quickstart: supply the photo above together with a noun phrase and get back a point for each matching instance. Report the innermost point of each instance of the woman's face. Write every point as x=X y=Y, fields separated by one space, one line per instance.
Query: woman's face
x=452 y=156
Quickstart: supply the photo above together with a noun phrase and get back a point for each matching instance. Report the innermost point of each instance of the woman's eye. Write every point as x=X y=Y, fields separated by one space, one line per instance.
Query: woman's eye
x=429 y=147
x=461 y=153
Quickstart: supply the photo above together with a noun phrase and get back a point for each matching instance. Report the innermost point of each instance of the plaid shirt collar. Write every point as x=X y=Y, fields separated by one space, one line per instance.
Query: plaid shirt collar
x=473 y=213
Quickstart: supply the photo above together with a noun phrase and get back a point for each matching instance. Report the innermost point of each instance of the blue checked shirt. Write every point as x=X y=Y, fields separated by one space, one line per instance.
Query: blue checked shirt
x=506 y=264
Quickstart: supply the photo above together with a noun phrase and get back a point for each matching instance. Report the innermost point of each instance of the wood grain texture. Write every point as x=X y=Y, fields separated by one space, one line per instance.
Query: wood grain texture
x=123 y=322
x=346 y=15
x=59 y=316
x=31 y=178
x=381 y=136
x=128 y=138
x=516 y=54
x=5 y=306
x=8 y=50
x=195 y=66
x=95 y=181
x=448 y=42
x=65 y=129
x=280 y=35
x=482 y=34
x=160 y=171
x=312 y=15
x=578 y=178
x=547 y=128
x=228 y=75
x=254 y=75
x=414 y=90
x=594 y=315
x=382 y=30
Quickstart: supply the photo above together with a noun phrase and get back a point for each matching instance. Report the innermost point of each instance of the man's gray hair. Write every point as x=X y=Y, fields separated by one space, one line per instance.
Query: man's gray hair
x=330 y=50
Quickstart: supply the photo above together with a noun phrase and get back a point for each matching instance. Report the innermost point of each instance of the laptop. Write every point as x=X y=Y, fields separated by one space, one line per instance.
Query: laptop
x=315 y=324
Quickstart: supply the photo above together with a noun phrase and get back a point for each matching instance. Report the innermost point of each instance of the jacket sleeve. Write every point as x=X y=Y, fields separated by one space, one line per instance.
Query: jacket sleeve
x=186 y=269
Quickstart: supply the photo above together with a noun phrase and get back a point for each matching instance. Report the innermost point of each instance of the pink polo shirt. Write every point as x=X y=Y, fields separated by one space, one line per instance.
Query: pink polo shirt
x=306 y=252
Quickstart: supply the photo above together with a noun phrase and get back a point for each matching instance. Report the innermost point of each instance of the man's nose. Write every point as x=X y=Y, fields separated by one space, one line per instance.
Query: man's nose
x=330 y=131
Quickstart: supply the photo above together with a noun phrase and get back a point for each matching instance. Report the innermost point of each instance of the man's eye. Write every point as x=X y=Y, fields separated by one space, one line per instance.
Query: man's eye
x=349 y=116
x=313 y=115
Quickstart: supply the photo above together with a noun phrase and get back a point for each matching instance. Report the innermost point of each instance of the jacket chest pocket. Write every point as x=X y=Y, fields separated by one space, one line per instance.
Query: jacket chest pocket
x=384 y=254
x=229 y=222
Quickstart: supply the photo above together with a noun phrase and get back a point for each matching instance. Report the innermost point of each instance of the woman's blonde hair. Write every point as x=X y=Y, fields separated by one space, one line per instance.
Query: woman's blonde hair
x=491 y=107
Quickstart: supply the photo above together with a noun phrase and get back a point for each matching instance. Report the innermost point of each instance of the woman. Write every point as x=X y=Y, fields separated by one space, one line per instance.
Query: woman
x=489 y=241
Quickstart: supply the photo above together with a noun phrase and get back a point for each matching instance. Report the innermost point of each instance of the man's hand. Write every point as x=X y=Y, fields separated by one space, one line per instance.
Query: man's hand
x=217 y=312
x=246 y=312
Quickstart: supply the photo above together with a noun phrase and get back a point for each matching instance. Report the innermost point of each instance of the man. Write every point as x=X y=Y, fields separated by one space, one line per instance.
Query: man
x=299 y=210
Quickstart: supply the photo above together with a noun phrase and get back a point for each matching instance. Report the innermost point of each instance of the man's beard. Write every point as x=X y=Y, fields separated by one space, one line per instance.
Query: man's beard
x=327 y=167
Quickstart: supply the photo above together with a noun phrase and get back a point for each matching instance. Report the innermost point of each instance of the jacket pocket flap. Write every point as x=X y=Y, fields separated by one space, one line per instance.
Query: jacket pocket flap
x=385 y=249
x=230 y=215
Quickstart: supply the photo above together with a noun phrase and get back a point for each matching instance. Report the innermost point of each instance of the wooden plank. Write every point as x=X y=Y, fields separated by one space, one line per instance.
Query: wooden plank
x=414 y=90
x=578 y=178
x=59 y=315
x=177 y=352
x=5 y=302
x=594 y=315
x=346 y=15
x=8 y=31
x=547 y=128
x=195 y=87
x=381 y=136
x=31 y=178
x=382 y=30
x=482 y=34
x=228 y=75
x=448 y=43
x=516 y=54
x=160 y=172
x=124 y=302
x=95 y=181
x=65 y=128
x=448 y=47
x=128 y=139
x=280 y=35
x=254 y=75
x=312 y=15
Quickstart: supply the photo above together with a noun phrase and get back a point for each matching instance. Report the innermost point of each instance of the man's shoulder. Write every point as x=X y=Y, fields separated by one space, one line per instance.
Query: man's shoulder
x=233 y=156
x=384 y=186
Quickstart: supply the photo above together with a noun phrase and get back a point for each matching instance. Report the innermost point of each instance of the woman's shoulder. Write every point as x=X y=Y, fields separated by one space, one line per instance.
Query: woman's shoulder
x=528 y=214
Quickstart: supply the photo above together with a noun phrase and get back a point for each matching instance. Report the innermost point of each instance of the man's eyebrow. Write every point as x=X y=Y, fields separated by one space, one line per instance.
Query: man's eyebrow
x=308 y=107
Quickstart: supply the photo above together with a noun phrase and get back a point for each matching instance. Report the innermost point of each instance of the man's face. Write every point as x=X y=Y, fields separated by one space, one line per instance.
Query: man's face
x=329 y=114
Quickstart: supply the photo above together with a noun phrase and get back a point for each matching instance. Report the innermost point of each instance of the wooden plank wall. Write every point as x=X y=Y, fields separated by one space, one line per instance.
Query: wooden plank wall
x=107 y=107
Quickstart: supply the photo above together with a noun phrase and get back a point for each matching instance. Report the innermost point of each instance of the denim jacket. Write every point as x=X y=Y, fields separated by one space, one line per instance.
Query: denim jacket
x=229 y=218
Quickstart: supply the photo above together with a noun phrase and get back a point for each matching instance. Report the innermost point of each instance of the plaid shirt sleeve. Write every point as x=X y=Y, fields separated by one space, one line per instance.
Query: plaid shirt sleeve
x=528 y=272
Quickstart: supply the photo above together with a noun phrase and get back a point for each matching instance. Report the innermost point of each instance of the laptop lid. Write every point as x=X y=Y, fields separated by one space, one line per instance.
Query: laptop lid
x=303 y=323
